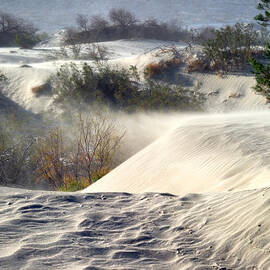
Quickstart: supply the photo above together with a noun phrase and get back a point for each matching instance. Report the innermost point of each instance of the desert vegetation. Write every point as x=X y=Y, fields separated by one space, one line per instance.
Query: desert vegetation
x=72 y=160
x=120 y=89
x=66 y=161
x=123 y=24
x=78 y=51
x=162 y=69
x=261 y=69
x=79 y=159
x=17 y=31
x=232 y=47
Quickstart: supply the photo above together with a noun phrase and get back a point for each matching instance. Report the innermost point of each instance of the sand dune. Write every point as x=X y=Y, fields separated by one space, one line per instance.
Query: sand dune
x=205 y=153
x=42 y=230
x=226 y=94
x=216 y=164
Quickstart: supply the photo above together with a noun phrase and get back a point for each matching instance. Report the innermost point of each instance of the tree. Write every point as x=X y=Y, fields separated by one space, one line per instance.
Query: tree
x=82 y=22
x=98 y=23
x=231 y=47
x=122 y=17
x=262 y=75
x=263 y=18
x=10 y=26
x=262 y=71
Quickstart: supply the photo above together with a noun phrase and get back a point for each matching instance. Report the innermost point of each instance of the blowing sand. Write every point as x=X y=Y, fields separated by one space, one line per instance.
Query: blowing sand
x=195 y=197
x=220 y=152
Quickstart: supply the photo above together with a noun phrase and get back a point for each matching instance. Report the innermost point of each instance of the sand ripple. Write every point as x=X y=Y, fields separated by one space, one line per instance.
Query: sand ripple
x=124 y=231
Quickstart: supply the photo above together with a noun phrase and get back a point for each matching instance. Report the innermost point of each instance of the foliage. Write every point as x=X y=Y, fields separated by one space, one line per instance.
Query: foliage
x=164 y=97
x=72 y=184
x=26 y=41
x=15 y=151
x=69 y=157
x=10 y=26
x=263 y=19
x=51 y=158
x=162 y=68
x=232 y=47
x=122 y=17
x=262 y=75
x=120 y=89
x=73 y=163
x=79 y=51
x=261 y=70
x=107 y=86
x=123 y=24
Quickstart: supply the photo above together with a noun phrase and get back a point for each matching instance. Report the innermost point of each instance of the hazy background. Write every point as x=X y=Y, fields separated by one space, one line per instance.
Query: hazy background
x=52 y=15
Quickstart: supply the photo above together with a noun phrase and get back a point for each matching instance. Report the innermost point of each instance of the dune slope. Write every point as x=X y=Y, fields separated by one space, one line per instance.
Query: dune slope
x=205 y=153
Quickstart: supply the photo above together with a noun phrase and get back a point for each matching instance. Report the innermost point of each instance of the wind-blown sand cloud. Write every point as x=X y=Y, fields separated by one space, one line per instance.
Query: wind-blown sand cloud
x=193 y=193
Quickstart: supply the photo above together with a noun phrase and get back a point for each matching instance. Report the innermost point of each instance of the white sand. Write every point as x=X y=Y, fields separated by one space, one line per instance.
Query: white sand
x=221 y=160
x=205 y=153
x=42 y=230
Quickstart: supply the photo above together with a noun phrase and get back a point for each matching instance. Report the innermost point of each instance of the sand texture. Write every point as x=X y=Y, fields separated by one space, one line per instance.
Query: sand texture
x=42 y=230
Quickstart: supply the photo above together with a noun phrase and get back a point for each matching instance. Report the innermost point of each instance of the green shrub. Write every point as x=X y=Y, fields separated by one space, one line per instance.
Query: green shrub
x=26 y=41
x=120 y=89
x=232 y=47
x=262 y=70
x=164 y=97
x=107 y=86
x=11 y=25
x=263 y=18
x=72 y=185
x=262 y=75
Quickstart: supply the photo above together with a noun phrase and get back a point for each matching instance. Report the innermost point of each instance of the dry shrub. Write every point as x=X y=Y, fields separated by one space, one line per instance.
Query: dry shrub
x=72 y=184
x=79 y=51
x=220 y=74
x=75 y=163
x=153 y=70
x=197 y=65
x=51 y=159
x=40 y=89
x=15 y=150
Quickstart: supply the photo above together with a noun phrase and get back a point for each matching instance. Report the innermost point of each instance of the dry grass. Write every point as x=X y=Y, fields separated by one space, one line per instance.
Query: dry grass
x=156 y=69
x=74 y=163
x=197 y=65
x=40 y=89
